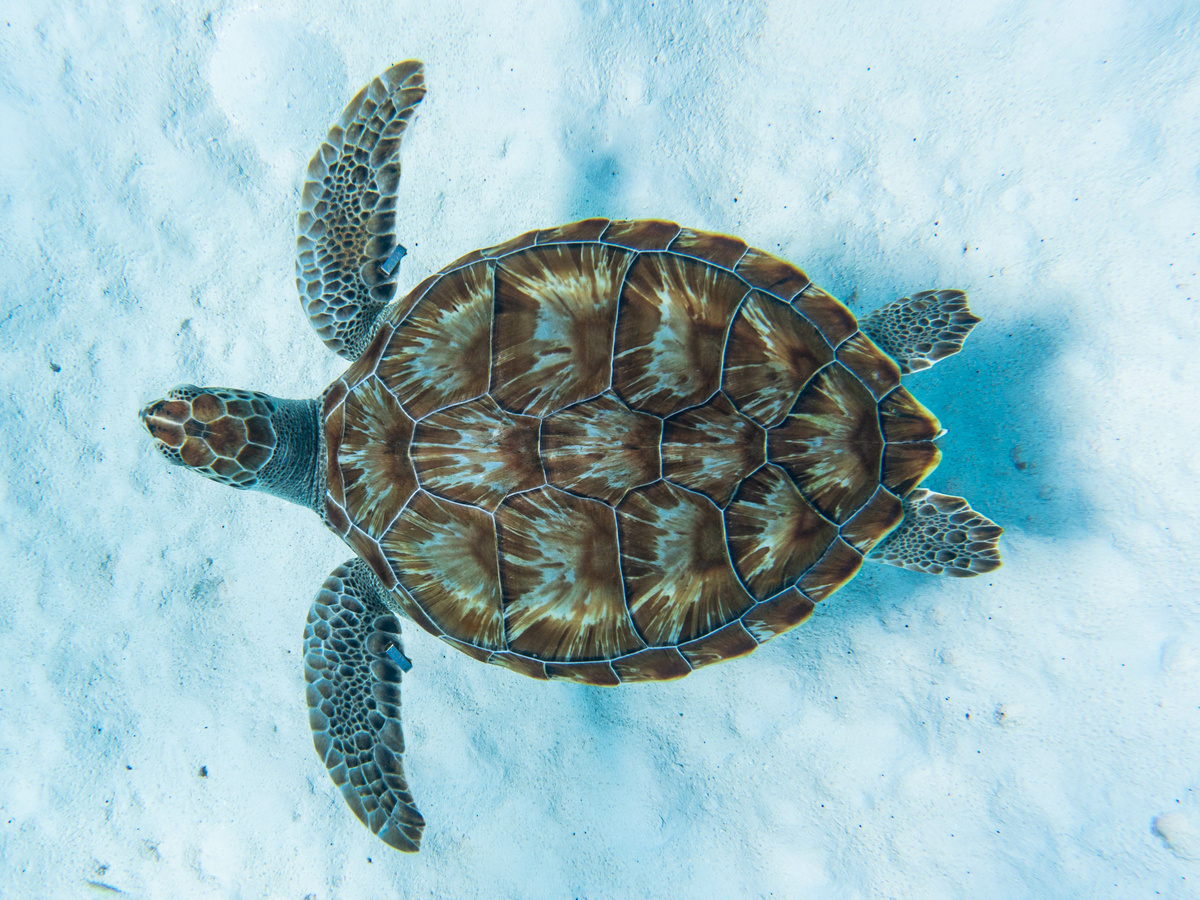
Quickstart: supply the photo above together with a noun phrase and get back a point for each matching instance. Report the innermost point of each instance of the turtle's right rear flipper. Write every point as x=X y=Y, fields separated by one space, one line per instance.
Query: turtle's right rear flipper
x=919 y=330
x=353 y=663
x=941 y=535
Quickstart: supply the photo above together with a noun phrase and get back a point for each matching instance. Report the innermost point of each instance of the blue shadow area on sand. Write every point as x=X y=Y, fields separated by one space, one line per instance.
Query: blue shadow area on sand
x=598 y=186
x=1004 y=450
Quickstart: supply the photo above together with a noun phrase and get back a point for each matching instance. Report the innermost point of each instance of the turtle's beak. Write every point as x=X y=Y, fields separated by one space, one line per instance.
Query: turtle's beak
x=164 y=420
x=230 y=436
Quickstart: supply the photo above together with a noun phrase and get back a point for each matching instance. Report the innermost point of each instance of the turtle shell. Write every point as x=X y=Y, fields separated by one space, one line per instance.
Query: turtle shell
x=618 y=450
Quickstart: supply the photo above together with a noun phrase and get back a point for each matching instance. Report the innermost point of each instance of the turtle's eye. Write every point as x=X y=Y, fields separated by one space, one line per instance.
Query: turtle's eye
x=169 y=453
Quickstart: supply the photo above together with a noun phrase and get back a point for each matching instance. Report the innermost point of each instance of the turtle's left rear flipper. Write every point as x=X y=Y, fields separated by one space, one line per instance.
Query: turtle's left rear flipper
x=941 y=535
x=353 y=663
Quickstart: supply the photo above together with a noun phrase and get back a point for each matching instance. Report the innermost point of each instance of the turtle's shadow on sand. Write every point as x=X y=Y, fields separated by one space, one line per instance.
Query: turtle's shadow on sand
x=1004 y=450
x=598 y=186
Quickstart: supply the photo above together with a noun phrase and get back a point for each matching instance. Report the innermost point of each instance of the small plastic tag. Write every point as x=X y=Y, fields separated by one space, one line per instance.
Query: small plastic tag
x=399 y=658
x=393 y=260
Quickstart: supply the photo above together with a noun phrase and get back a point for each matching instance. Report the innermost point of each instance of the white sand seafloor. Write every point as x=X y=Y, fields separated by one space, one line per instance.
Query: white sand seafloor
x=1030 y=733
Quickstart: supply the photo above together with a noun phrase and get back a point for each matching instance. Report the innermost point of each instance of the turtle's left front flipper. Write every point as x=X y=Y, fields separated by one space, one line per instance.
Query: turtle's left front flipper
x=346 y=252
x=353 y=663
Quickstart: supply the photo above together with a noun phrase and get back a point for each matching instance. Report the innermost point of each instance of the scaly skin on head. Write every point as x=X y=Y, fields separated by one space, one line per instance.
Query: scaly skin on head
x=244 y=439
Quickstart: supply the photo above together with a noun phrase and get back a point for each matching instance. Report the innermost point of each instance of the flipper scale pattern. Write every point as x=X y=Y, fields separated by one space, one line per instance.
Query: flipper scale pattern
x=353 y=693
x=345 y=230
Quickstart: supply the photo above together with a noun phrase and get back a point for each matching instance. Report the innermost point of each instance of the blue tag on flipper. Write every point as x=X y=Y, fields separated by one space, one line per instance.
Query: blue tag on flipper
x=399 y=658
x=393 y=260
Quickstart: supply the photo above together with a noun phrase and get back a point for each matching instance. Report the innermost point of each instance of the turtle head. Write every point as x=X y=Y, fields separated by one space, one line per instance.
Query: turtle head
x=245 y=439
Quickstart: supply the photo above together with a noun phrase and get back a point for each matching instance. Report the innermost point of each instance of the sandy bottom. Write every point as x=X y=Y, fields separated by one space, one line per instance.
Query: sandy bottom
x=1027 y=734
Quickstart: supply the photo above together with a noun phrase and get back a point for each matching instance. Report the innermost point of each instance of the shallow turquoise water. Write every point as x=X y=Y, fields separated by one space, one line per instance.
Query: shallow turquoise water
x=1027 y=734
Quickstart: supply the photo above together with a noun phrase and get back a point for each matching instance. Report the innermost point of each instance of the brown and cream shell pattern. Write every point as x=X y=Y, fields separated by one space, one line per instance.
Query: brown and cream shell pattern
x=616 y=451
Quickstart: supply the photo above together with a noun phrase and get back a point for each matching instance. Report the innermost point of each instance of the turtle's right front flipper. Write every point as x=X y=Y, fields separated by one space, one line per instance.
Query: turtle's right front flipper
x=346 y=251
x=353 y=663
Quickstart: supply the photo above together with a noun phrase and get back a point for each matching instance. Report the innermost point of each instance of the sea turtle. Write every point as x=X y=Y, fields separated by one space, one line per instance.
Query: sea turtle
x=606 y=452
